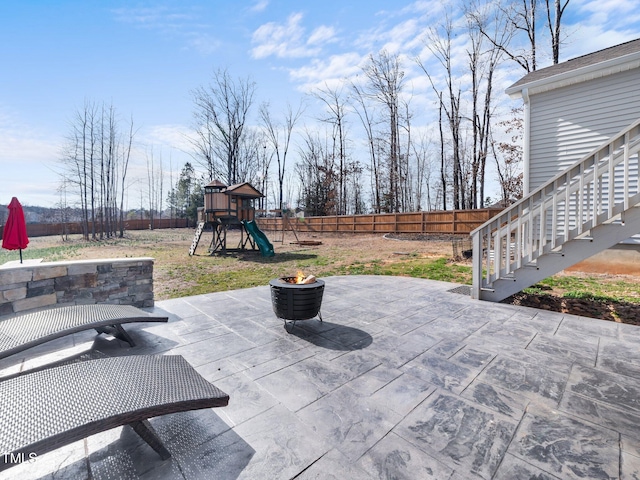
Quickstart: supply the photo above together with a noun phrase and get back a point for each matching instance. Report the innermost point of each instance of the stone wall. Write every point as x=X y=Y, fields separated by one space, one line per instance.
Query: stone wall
x=122 y=281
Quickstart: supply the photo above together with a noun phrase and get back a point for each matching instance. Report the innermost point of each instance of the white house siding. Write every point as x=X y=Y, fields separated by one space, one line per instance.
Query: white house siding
x=569 y=122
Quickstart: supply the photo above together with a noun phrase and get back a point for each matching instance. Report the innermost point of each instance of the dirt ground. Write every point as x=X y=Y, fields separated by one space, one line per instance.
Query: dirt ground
x=553 y=299
x=170 y=249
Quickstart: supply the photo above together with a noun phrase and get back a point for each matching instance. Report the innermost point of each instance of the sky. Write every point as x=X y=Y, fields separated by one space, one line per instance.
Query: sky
x=146 y=57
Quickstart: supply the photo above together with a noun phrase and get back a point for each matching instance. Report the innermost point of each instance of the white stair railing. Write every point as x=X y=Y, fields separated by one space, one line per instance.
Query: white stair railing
x=595 y=190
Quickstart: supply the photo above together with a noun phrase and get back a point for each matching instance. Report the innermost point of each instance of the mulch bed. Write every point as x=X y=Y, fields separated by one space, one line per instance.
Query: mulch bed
x=424 y=237
x=622 y=312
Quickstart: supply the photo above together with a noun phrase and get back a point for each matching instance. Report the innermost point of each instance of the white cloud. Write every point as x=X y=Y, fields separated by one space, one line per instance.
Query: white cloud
x=171 y=22
x=423 y=7
x=322 y=34
x=172 y=137
x=204 y=43
x=586 y=39
x=328 y=71
x=288 y=40
x=159 y=17
x=402 y=37
x=29 y=161
x=279 y=40
x=259 y=6
x=600 y=24
x=402 y=30
x=601 y=11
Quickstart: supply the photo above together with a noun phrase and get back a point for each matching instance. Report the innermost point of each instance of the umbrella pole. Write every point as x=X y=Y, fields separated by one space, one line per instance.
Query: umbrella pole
x=20 y=255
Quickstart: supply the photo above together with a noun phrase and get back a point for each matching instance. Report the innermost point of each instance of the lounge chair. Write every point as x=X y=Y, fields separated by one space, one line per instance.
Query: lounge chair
x=53 y=407
x=30 y=329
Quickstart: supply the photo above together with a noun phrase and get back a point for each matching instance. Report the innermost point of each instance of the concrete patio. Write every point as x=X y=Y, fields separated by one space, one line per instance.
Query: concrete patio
x=403 y=379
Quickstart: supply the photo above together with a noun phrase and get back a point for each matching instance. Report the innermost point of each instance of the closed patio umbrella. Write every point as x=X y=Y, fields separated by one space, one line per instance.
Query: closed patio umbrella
x=14 y=236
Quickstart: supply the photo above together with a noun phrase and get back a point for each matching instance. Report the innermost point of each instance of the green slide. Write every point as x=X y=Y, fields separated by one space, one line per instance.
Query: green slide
x=266 y=249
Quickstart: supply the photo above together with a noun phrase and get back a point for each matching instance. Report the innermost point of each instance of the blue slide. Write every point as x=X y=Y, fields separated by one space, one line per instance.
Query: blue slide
x=266 y=249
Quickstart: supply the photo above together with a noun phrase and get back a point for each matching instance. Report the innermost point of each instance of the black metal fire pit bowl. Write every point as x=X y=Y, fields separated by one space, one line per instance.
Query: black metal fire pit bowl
x=294 y=302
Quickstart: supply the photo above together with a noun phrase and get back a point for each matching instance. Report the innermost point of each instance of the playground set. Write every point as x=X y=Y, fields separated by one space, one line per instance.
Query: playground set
x=228 y=207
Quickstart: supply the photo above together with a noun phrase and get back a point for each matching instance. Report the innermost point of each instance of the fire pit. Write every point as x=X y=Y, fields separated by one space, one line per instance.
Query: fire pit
x=294 y=301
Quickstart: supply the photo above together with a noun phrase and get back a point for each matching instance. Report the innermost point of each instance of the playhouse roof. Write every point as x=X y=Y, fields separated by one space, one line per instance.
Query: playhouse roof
x=597 y=64
x=215 y=183
x=243 y=190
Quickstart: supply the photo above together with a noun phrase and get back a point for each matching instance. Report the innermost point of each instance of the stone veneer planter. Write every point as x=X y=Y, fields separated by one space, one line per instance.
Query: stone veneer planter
x=126 y=281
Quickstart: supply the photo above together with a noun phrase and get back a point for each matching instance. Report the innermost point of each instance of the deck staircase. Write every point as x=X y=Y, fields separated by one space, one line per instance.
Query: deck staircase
x=589 y=207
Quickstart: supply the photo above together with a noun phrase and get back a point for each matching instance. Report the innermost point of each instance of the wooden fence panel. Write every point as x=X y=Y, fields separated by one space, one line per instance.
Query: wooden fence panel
x=72 y=228
x=440 y=222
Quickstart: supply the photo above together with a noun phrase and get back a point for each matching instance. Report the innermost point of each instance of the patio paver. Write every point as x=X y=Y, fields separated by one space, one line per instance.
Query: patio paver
x=404 y=379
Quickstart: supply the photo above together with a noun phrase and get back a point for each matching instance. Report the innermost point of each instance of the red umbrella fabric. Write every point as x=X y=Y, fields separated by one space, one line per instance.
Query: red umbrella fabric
x=14 y=236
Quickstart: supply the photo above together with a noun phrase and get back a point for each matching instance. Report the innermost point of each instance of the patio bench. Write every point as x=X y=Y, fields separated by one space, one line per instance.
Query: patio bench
x=20 y=332
x=50 y=408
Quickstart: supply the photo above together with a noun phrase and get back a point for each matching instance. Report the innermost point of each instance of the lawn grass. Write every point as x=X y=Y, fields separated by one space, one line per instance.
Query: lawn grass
x=178 y=275
x=587 y=288
x=48 y=254
x=429 y=268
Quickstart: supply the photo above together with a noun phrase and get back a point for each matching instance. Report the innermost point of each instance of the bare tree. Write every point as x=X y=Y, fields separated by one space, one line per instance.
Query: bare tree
x=405 y=184
x=554 y=23
x=220 y=115
x=318 y=176
x=518 y=16
x=511 y=19
x=439 y=41
x=443 y=169
x=367 y=118
x=422 y=172
x=336 y=102
x=385 y=83
x=125 y=157
x=78 y=156
x=508 y=157
x=95 y=156
x=155 y=184
x=109 y=163
x=279 y=136
x=265 y=156
x=482 y=65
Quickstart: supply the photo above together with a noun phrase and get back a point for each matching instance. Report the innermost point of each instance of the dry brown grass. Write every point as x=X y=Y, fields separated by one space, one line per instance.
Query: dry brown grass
x=177 y=274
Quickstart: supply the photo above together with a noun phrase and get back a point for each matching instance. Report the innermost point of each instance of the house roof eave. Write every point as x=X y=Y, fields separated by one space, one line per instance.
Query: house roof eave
x=571 y=77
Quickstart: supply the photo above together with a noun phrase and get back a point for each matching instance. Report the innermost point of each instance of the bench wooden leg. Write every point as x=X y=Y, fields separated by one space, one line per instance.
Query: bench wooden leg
x=149 y=435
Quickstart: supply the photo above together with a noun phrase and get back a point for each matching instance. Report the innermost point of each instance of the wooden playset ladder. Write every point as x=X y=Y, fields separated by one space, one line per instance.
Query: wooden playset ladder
x=196 y=238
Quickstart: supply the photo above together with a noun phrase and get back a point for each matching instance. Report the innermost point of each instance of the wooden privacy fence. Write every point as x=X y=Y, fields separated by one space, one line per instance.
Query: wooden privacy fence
x=48 y=229
x=441 y=222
